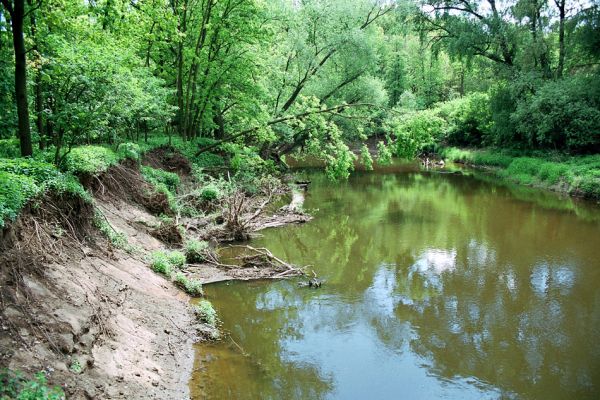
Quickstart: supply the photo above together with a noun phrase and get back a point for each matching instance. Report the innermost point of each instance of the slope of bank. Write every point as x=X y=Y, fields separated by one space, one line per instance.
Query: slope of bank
x=574 y=175
x=82 y=300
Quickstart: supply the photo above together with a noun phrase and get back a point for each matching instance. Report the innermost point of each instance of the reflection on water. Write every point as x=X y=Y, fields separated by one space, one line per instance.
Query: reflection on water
x=437 y=286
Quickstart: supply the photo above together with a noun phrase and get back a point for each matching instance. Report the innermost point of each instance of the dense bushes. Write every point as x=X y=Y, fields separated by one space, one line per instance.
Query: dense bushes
x=561 y=114
x=528 y=113
x=463 y=121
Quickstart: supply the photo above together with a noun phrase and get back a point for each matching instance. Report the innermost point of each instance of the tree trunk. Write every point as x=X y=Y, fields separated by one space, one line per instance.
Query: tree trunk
x=561 y=37
x=17 y=15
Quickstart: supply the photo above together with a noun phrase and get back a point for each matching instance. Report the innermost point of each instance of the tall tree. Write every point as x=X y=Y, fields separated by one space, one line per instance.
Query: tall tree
x=16 y=10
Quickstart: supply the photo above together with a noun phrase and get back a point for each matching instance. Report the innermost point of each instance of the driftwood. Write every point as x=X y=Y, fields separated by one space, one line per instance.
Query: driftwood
x=261 y=257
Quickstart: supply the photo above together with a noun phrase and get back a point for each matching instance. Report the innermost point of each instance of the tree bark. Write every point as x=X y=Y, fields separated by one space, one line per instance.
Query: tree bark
x=16 y=10
x=561 y=37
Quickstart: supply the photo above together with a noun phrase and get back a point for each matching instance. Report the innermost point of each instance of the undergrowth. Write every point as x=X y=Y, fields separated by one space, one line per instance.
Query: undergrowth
x=574 y=175
x=13 y=385
x=163 y=182
x=23 y=179
x=205 y=313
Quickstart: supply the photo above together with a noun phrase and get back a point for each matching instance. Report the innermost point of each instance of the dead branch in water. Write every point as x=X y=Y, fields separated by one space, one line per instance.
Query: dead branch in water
x=263 y=256
x=236 y=208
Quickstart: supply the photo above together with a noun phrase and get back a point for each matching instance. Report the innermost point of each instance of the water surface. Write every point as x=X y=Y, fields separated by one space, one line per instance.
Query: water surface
x=436 y=286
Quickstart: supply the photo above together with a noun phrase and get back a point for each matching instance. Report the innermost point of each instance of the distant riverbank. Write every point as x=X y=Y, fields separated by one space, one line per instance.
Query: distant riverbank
x=573 y=175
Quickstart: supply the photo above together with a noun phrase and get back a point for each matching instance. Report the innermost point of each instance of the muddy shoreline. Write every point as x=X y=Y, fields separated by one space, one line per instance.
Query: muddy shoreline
x=95 y=318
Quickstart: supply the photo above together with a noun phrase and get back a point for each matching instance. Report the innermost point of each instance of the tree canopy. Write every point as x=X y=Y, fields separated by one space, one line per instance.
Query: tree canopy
x=269 y=78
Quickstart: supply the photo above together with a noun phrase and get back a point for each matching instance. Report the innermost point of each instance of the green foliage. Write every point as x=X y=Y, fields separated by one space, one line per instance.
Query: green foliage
x=415 y=131
x=163 y=182
x=468 y=120
x=210 y=192
x=165 y=262
x=562 y=114
x=176 y=259
x=159 y=177
x=118 y=239
x=195 y=250
x=90 y=160
x=9 y=148
x=207 y=160
x=75 y=366
x=365 y=158
x=384 y=155
x=160 y=263
x=129 y=150
x=192 y=287
x=575 y=175
x=15 y=191
x=340 y=161
x=13 y=385
x=23 y=179
x=206 y=313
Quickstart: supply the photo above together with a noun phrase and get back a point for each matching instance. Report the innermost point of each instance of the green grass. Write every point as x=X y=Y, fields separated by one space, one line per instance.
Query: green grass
x=576 y=175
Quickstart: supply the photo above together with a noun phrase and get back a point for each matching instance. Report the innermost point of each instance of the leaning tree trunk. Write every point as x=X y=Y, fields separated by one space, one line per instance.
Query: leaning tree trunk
x=16 y=9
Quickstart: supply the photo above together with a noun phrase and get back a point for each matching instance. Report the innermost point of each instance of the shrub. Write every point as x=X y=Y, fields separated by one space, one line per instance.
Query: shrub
x=192 y=287
x=159 y=177
x=207 y=160
x=90 y=159
x=176 y=258
x=160 y=263
x=210 y=192
x=15 y=191
x=365 y=157
x=469 y=120
x=129 y=150
x=205 y=313
x=195 y=251
x=14 y=386
x=9 y=148
x=163 y=182
x=415 y=131
x=384 y=155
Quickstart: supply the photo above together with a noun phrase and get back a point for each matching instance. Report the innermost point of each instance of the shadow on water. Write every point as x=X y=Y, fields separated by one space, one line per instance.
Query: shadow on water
x=436 y=286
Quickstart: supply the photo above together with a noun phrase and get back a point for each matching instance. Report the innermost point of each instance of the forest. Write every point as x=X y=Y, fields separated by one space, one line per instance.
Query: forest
x=195 y=111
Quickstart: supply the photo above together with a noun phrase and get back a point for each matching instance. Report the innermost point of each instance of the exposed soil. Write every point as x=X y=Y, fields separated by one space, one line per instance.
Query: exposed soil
x=95 y=317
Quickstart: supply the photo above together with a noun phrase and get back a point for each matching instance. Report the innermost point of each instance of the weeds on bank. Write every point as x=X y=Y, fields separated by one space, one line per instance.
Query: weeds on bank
x=13 y=385
x=195 y=251
x=169 y=264
x=575 y=175
x=205 y=313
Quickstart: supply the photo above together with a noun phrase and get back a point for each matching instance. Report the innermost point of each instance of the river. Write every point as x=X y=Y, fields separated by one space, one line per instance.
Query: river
x=436 y=286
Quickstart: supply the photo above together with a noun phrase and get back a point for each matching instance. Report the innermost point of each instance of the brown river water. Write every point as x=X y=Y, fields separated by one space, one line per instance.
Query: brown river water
x=436 y=286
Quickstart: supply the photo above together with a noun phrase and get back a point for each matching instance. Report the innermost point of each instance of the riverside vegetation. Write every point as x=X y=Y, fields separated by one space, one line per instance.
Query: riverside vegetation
x=186 y=111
